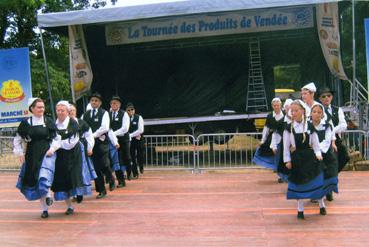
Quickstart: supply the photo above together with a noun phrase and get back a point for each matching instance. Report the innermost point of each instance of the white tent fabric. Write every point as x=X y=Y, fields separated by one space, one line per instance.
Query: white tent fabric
x=144 y=9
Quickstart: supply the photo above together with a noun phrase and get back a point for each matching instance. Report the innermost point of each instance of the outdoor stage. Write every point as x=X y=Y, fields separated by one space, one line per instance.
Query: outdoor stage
x=234 y=208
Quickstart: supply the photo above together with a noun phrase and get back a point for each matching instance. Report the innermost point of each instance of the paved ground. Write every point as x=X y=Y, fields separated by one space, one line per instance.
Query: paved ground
x=243 y=208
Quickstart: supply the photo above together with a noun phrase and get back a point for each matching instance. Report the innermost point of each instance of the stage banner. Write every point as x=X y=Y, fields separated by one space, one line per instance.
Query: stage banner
x=247 y=21
x=80 y=67
x=15 y=79
x=329 y=36
x=366 y=23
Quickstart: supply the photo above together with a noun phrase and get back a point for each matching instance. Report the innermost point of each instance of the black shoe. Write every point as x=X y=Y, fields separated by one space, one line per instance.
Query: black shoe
x=112 y=186
x=313 y=201
x=49 y=201
x=329 y=197
x=69 y=211
x=74 y=199
x=141 y=170
x=121 y=184
x=101 y=195
x=135 y=176
x=300 y=215
x=129 y=177
x=79 y=199
x=280 y=181
x=323 y=211
x=45 y=215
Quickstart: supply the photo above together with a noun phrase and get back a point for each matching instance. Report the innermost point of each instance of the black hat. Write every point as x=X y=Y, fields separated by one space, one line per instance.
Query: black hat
x=116 y=97
x=130 y=105
x=325 y=90
x=95 y=95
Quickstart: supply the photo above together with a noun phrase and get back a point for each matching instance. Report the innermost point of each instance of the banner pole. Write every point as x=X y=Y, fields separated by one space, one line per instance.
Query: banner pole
x=47 y=74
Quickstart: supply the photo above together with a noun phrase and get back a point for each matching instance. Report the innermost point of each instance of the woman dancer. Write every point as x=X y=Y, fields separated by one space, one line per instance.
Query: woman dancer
x=327 y=145
x=302 y=155
x=265 y=155
x=38 y=157
x=68 y=180
x=87 y=143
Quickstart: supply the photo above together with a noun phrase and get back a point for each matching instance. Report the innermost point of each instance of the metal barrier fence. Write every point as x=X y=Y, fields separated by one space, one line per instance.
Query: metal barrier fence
x=229 y=150
x=357 y=140
x=207 y=151
x=170 y=152
x=8 y=161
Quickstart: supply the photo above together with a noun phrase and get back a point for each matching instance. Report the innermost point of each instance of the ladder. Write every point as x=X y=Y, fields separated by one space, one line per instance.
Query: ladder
x=256 y=97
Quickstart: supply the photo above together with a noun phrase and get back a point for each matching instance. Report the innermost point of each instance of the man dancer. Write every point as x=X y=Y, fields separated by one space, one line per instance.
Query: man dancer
x=336 y=117
x=119 y=123
x=136 y=130
x=98 y=120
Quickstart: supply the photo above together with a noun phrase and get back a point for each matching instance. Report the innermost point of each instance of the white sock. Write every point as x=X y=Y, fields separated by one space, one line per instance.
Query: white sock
x=69 y=203
x=321 y=203
x=44 y=206
x=300 y=205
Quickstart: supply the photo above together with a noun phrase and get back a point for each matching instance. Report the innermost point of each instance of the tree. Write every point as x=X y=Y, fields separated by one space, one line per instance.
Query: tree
x=18 y=28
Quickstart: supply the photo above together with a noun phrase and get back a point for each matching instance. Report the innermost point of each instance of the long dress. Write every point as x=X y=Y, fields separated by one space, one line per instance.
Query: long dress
x=88 y=171
x=37 y=172
x=306 y=179
x=87 y=143
x=68 y=179
x=264 y=155
x=330 y=161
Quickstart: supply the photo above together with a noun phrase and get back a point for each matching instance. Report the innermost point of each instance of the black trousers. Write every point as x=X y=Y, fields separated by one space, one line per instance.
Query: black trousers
x=138 y=153
x=125 y=157
x=100 y=158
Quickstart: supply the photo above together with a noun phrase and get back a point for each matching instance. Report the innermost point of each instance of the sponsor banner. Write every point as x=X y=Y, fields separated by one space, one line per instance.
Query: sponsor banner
x=366 y=23
x=329 y=36
x=274 y=19
x=80 y=67
x=15 y=86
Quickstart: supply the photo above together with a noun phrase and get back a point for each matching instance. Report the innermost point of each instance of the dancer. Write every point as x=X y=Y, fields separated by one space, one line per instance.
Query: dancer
x=327 y=145
x=87 y=143
x=38 y=158
x=266 y=155
x=302 y=155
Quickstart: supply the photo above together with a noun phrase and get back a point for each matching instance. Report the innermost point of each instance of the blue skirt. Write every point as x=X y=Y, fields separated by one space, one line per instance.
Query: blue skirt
x=330 y=185
x=270 y=162
x=88 y=170
x=311 y=190
x=114 y=157
x=45 y=179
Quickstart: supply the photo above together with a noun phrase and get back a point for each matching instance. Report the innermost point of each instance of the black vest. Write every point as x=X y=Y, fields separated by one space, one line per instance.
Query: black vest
x=116 y=123
x=71 y=130
x=94 y=123
x=333 y=116
x=134 y=123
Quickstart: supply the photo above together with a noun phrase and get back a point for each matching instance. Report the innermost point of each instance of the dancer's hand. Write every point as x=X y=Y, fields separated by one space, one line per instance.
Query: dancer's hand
x=50 y=152
x=289 y=165
x=334 y=146
x=21 y=159
x=319 y=157
x=117 y=146
x=89 y=152
x=274 y=151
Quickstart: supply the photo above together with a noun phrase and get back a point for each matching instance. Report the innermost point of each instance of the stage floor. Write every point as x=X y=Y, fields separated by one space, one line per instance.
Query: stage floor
x=234 y=208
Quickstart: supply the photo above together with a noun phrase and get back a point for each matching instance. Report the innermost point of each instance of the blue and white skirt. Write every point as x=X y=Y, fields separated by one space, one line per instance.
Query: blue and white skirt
x=45 y=179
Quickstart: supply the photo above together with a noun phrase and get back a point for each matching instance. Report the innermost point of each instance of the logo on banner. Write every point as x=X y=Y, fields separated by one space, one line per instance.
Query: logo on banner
x=11 y=91
x=329 y=37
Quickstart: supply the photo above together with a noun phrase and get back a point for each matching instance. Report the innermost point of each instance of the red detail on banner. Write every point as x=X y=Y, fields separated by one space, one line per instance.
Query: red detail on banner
x=7 y=100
